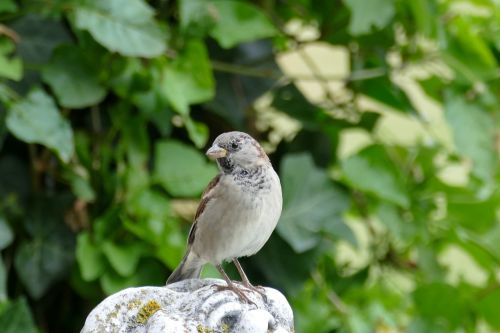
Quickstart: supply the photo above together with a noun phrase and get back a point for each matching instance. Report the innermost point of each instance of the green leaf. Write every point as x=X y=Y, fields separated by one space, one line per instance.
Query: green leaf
x=124 y=257
x=372 y=170
x=197 y=17
x=312 y=204
x=477 y=215
x=10 y=68
x=419 y=324
x=289 y=99
x=6 y=234
x=149 y=203
x=490 y=241
x=48 y=256
x=464 y=43
x=149 y=273
x=8 y=6
x=488 y=307
x=89 y=257
x=40 y=263
x=127 y=28
x=366 y=15
x=439 y=301
x=198 y=132
x=389 y=216
x=39 y=36
x=473 y=131
x=422 y=10
x=81 y=187
x=384 y=90
x=181 y=170
x=283 y=266
x=228 y=22
x=16 y=317
x=313 y=312
x=151 y=220
x=238 y=22
x=3 y=282
x=136 y=141
x=74 y=78
x=35 y=119
x=189 y=80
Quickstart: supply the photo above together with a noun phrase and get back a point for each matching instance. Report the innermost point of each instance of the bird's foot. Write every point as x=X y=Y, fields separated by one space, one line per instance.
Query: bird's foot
x=239 y=292
x=258 y=289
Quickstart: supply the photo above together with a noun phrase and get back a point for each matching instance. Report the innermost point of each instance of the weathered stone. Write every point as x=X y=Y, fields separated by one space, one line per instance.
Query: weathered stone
x=191 y=306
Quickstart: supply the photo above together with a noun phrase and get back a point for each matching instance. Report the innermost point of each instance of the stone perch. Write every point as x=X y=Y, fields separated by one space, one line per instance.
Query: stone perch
x=190 y=306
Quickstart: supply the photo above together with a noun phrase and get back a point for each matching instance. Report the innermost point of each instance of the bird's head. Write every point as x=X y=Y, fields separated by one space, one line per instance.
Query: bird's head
x=237 y=149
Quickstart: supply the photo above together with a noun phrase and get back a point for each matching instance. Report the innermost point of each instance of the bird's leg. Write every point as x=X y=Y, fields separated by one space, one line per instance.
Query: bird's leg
x=246 y=281
x=231 y=286
x=243 y=276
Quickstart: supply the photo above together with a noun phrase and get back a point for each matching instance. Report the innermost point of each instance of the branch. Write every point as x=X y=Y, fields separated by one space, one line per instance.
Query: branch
x=6 y=31
x=331 y=294
x=359 y=75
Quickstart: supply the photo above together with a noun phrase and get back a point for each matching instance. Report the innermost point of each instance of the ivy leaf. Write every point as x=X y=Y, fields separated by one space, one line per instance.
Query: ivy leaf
x=6 y=235
x=390 y=217
x=283 y=266
x=476 y=215
x=35 y=119
x=89 y=257
x=40 y=263
x=148 y=272
x=16 y=317
x=46 y=257
x=197 y=17
x=197 y=131
x=181 y=170
x=439 y=301
x=74 y=78
x=311 y=204
x=8 y=6
x=368 y=14
x=123 y=258
x=238 y=22
x=125 y=27
x=3 y=282
x=189 y=80
x=371 y=170
x=228 y=22
x=384 y=90
x=10 y=68
x=39 y=36
x=473 y=134
x=488 y=307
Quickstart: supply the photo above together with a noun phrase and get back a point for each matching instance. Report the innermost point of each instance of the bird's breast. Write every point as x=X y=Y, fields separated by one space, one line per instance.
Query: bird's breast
x=240 y=218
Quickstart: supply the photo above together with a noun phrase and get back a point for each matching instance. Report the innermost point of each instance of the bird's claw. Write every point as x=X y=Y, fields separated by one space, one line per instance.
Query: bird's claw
x=239 y=292
x=258 y=289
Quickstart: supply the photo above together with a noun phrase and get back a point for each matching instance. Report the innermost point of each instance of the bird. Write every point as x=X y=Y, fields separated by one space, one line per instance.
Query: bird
x=237 y=213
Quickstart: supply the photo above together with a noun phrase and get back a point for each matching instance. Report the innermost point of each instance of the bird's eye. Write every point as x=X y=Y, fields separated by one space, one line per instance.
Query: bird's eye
x=234 y=145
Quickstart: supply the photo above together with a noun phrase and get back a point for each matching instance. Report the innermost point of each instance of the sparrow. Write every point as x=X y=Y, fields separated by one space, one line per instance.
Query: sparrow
x=237 y=213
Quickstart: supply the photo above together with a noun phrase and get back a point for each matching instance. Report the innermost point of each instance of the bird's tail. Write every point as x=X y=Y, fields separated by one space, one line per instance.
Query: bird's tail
x=189 y=268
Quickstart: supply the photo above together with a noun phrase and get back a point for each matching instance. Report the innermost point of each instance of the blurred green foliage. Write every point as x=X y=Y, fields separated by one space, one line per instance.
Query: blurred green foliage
x=106 y=107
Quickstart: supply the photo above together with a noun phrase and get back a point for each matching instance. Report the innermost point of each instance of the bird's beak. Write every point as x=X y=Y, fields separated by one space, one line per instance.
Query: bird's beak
x=216 y=152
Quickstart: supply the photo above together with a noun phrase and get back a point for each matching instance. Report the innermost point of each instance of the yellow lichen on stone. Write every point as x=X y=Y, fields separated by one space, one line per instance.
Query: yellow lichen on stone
x=202 y=329
x=225 y=328
x=147 y=311
x=134 y=304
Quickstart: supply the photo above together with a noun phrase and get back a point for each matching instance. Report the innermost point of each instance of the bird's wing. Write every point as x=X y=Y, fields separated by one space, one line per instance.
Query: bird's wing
x=205 y=198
